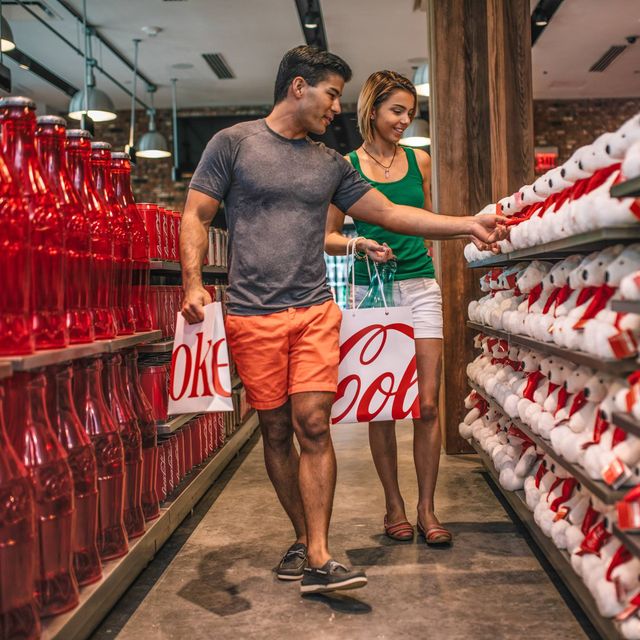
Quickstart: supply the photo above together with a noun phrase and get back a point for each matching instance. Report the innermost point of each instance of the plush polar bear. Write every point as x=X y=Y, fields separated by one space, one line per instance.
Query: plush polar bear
x=609 y=334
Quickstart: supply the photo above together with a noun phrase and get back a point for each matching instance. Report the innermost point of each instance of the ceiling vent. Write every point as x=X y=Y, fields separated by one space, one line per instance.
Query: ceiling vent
x=219 y=65
x=608 y=57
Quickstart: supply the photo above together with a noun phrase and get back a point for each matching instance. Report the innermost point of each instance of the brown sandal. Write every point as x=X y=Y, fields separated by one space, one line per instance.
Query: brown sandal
x=435 y=535
x=401 y=531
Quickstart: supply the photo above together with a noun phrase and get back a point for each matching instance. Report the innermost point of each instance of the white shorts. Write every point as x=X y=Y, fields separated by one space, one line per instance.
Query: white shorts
x=425 y=299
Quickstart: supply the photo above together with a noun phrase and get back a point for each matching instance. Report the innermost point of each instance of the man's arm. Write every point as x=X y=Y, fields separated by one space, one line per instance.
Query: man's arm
x=373 y=207
x=199 y=211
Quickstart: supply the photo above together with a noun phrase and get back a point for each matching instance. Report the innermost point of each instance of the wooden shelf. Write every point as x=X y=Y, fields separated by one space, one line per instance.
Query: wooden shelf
x=625 y=306
x=627 y=189
x=164 y=428
x=617 y=367
x=629 y=539
x=164 y=346
x=597 y=487
x=558 y=559
x=97 y=600
x=559 y=249
x=75 y=352
x=164 y=266
x=627 y=422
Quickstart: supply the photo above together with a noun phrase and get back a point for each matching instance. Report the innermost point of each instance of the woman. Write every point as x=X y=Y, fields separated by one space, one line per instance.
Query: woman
x=386 y=107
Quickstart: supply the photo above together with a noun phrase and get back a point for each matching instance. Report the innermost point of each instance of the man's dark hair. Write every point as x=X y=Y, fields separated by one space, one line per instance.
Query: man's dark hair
x=312 y=64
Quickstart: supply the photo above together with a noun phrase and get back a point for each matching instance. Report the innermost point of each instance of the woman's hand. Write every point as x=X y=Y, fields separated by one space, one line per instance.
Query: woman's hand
x=375 y=251
x=489 y=228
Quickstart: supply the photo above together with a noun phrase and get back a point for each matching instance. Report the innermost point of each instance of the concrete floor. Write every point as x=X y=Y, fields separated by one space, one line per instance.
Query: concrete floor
x=213 y=579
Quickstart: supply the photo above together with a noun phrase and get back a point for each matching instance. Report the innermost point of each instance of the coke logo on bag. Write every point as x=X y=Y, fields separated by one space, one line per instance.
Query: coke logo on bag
x=371 y=389
x=200 y=369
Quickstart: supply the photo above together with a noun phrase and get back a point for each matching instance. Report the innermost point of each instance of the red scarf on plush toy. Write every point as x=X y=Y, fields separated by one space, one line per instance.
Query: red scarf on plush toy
x=598 y=302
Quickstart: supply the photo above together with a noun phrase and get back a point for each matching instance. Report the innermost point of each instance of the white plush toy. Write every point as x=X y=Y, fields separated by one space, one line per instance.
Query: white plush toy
x=539 y=323
x=570 y=398
x=529 y=282
x=609 y=334
x=598 y=162
x=559 y=373
x=530 y=366
x=568 y=329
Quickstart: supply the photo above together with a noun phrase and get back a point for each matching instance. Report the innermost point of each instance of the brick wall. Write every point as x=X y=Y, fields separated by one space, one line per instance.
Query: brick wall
x=569 y=124
x=566 y=124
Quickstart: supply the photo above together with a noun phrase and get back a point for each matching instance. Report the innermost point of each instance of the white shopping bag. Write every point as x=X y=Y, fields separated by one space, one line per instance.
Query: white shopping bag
x=200 y=380
x=377 y=378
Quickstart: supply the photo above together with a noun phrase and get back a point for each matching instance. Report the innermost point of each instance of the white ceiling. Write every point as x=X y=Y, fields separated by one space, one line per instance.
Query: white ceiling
x=578 y=34
x=253 y=35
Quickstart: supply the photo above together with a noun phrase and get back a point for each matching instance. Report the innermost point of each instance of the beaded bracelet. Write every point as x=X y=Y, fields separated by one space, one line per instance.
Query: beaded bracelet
x=359 y=255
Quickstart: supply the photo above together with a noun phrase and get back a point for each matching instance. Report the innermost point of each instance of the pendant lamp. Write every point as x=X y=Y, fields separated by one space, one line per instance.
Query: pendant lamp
x=152 y=144
x=90 y=100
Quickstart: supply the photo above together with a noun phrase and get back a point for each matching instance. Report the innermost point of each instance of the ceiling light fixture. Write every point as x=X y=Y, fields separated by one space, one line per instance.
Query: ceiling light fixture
x=90 y=101
x=417 y=133
x=152 y=144
x=421 y=80
x=8 y=41
x=311 y=18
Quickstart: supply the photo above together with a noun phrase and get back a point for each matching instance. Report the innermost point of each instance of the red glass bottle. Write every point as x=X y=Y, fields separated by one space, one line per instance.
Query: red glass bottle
x=101 y=288
x=107 y=445
x=121 y=172
x=101 y=169
x=82 y=462
x=50 y=142
x=18 y=613
x=46 y=220
x=16 y=337
x=34 y=441
x=144 y=413
x=125 y=418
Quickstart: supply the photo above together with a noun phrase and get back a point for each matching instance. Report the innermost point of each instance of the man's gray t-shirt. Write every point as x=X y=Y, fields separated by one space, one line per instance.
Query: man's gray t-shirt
x=276 y=194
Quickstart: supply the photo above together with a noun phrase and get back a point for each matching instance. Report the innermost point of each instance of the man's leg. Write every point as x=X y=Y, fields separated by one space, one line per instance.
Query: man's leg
x=317 y=471
x=281 y=459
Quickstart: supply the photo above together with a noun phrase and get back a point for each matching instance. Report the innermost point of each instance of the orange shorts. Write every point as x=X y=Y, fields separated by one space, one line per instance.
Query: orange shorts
x=286 y=352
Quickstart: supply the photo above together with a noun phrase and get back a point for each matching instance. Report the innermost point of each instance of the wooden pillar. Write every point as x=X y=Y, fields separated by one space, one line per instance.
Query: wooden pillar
x=481 y=116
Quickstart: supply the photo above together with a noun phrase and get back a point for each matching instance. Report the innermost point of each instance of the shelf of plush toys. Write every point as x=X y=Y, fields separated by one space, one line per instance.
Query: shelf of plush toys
x=609 y=365
x=597 y=487
x=559 y=249
x=559 y=559
x=568 y=308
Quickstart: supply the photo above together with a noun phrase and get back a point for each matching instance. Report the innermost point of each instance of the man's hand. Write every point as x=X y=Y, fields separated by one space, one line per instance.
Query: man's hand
x=377 y=252
x=195 y=298
x=489 y=228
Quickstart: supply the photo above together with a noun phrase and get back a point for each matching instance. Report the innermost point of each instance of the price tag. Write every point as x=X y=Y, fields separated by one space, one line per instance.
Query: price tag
x=628 y=516
x=615 y=473
x=623 y=344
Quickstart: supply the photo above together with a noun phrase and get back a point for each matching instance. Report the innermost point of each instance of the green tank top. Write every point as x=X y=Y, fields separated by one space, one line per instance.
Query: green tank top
x=413 y=259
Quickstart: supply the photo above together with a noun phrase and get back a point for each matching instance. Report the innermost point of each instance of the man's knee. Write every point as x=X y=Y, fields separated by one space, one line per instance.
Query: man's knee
x=313 y=430
x=277 y=430
x=428 y=410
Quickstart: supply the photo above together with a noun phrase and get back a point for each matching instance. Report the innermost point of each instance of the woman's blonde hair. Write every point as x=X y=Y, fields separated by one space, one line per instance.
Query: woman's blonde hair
x=378 y=87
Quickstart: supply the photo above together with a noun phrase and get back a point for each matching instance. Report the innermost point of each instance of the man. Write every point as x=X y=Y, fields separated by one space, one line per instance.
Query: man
x=283 y=325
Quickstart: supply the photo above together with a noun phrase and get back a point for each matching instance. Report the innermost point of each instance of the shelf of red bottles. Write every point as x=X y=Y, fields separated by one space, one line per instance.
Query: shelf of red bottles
x=174 y=267
x=96 y=600
x=76 y=351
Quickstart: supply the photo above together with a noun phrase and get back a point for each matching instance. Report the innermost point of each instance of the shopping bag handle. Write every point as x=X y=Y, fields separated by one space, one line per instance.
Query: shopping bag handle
x=351 y=253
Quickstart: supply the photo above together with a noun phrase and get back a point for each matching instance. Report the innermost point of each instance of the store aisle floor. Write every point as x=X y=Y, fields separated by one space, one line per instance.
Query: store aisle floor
x=219 y=584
